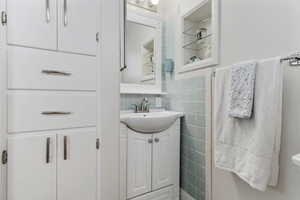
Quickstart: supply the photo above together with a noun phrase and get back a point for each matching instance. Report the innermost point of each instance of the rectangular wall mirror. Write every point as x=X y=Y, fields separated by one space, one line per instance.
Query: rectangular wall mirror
x=141 y=68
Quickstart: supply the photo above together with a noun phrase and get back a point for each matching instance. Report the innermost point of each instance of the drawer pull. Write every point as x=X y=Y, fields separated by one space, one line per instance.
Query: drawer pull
x=55 y=113
x=48 y=150
x=65 y=148
x=57 y=73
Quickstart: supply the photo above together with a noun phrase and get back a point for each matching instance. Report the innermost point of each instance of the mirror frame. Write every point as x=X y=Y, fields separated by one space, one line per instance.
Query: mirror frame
x=132 y=88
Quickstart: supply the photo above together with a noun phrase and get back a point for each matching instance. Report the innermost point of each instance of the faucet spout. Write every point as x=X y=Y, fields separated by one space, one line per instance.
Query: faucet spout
x=145 y=106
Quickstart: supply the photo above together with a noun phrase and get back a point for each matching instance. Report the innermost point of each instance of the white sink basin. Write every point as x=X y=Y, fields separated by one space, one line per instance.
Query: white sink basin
x=153 y=122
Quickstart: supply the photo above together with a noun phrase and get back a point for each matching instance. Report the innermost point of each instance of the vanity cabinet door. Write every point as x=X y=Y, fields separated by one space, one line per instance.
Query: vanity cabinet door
x=77 y=26
x=76 y=165
x=162 y=159
x=139 y=163
x=31 y=170
x=32 y=23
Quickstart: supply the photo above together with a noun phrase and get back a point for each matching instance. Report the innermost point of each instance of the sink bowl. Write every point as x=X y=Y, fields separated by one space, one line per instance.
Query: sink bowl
x=153 y=122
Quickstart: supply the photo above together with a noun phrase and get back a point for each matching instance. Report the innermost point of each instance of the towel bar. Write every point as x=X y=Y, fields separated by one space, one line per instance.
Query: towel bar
x=294 y=59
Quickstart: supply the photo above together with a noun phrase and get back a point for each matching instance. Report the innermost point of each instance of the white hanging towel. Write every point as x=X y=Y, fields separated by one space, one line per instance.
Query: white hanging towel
x=242 y=89
x=250 y=147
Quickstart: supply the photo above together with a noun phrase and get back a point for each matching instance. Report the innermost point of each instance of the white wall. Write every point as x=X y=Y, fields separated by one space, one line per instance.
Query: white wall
x=254 y=29
x=260 y=29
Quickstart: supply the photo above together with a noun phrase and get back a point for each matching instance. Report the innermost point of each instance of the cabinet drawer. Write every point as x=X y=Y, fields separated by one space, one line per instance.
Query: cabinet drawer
x=41 y=69
x=50 y=110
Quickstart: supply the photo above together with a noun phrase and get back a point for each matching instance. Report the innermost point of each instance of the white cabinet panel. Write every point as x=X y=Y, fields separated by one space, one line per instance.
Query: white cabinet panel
x=34 y=111
x=31 y=176
x=32 y=23
x=162 y=159
x=77 y=26
x=40 y=69
x=139 y=164
x=76 y=166
x=123 y=161
x=163 y=194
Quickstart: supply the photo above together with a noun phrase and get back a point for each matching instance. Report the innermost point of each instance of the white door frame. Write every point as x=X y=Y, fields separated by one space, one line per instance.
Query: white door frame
x=108 y=118
x=3 y=101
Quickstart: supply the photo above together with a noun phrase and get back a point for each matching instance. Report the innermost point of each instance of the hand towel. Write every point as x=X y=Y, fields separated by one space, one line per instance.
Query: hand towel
x=242 y=89
x=250 y=148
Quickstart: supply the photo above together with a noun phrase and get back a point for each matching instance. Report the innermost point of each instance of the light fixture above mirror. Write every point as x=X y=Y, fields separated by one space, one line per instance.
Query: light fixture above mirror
x=148 y=5
x=154 y=2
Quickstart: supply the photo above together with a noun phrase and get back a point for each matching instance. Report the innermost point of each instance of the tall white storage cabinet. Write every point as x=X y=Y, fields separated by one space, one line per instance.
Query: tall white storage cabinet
x=150 y=164
x=49 y=98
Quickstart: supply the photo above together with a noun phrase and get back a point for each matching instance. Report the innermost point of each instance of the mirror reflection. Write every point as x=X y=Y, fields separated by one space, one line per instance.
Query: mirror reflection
x=140 y=54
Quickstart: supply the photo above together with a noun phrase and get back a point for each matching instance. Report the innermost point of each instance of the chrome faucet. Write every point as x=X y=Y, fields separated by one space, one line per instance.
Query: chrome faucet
x=143 y=107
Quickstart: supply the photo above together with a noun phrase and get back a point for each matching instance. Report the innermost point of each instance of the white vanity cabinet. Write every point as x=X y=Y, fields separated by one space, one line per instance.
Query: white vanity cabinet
x=52 y=165
x=149 y=164
x=63 y=25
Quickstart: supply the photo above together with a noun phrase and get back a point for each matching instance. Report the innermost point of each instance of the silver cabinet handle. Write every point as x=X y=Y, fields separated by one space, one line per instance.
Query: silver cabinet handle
x=48 y=17
x=55 y=113
x=55 y=72
x=156 y=140
x=150 y=141
x=65 y=147
x=65 y=13
x=48 y=150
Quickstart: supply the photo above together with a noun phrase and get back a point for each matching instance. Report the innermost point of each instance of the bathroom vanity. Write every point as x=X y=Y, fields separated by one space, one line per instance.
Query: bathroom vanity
x=149 y=161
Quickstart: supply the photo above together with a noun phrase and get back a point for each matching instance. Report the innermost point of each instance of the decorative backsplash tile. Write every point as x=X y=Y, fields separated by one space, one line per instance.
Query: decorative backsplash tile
x=127 y=100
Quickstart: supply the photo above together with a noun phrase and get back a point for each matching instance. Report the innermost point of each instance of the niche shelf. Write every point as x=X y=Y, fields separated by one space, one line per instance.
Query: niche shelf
x=196 y=36
x=199 y=36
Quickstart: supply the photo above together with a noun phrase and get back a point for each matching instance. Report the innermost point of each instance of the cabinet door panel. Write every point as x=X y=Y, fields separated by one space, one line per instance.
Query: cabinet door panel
x=123 y=161
x=77 y=26
x=138 y=164
x=162 y=160
x=30 y=175
x=32 y=23
x=76 y=167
